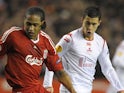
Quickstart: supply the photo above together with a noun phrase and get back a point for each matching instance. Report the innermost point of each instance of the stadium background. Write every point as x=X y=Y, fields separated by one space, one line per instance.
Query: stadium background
x=62 y=16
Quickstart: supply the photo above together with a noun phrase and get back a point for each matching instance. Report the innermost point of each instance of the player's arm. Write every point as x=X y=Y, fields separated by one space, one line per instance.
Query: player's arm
x=65 y=80
x=6 y=41
x=63 y=45
x=108 y=70
x=62 y=76
x=54 y=64
x=48 y=78
x=60 y=48
x=50 y=89
x=3 y=47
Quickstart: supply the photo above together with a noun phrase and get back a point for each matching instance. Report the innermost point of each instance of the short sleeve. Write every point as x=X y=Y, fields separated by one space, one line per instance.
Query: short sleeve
x=53 y=63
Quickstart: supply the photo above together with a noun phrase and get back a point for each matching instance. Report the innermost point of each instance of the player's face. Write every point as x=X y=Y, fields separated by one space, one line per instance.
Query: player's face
x=90 y=25
x=32 y=26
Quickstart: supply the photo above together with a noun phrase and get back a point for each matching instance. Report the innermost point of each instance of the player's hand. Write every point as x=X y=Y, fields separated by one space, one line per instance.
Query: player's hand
x=50 y=89
x=121 y=91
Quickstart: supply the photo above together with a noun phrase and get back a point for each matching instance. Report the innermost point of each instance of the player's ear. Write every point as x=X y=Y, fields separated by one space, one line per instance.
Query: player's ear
x=99 y=26
x=100 y=21
x=43 y=24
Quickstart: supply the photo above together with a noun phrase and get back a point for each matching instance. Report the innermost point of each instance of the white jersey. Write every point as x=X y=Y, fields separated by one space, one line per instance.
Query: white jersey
x=79 y=58
x=118 y=63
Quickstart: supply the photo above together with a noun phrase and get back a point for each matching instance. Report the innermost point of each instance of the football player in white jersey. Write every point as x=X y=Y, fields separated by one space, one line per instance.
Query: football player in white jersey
x=118 y=63
x=80 y=50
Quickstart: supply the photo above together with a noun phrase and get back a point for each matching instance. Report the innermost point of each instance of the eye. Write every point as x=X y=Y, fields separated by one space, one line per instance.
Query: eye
x=32 y=24
x=28 y=24
x=88 y=23
x=93 y=24
x=35 y=25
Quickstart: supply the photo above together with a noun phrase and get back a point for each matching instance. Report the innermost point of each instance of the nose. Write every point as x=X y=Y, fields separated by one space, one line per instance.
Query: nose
x=31 y=28
x=90 y=26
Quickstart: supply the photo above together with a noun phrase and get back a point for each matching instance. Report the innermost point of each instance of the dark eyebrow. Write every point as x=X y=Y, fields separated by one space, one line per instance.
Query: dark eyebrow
x=93 y=23
x=90 y=23
x=32 y=23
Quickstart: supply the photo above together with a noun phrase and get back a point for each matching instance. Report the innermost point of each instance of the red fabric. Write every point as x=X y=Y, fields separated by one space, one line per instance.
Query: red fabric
x=25 y=58
x=34 y=89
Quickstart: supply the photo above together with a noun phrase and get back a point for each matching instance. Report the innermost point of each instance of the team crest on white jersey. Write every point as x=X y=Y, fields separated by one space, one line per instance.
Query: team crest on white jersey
x=89 y=50
x=33 y=60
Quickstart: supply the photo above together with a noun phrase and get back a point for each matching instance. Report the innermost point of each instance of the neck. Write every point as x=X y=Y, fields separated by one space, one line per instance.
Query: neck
x=36 y=39
x=88 y=37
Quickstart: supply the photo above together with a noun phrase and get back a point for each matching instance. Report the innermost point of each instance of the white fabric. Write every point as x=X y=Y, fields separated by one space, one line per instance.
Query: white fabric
x=79 y=58
x=48 y=78
x=118 y=63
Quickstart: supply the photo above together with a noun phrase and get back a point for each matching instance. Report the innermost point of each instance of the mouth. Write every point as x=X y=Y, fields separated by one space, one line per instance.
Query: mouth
x=30 y=35
x=88 y=31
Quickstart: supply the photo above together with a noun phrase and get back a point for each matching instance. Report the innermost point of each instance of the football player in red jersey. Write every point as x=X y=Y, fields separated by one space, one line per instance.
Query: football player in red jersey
x=27 y=49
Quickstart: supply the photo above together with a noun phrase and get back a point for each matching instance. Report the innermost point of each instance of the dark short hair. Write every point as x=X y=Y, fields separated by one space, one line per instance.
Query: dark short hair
x=35 y=10
x=92 y=11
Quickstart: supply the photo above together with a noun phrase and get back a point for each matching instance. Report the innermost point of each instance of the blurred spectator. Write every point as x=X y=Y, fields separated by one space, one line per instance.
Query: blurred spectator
x=118 y=63
x=9 y=8
x=63 y=23
x=2 y=5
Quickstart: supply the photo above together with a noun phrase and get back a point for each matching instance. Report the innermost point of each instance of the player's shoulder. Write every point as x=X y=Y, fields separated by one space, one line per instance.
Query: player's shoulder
x=70 y=36
x=10 y=31
x=76 y=31
x=98 y=37
x=72 y=33
x=44 y=35
x=46 y=38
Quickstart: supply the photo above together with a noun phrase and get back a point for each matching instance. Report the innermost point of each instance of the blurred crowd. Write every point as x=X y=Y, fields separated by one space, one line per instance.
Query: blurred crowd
x=62 y=16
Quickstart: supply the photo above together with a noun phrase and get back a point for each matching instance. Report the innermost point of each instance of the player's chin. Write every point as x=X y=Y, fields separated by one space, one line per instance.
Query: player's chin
x=30 y=36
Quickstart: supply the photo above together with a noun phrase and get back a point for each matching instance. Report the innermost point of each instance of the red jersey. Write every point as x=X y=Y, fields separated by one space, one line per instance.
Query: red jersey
x=26 y=57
